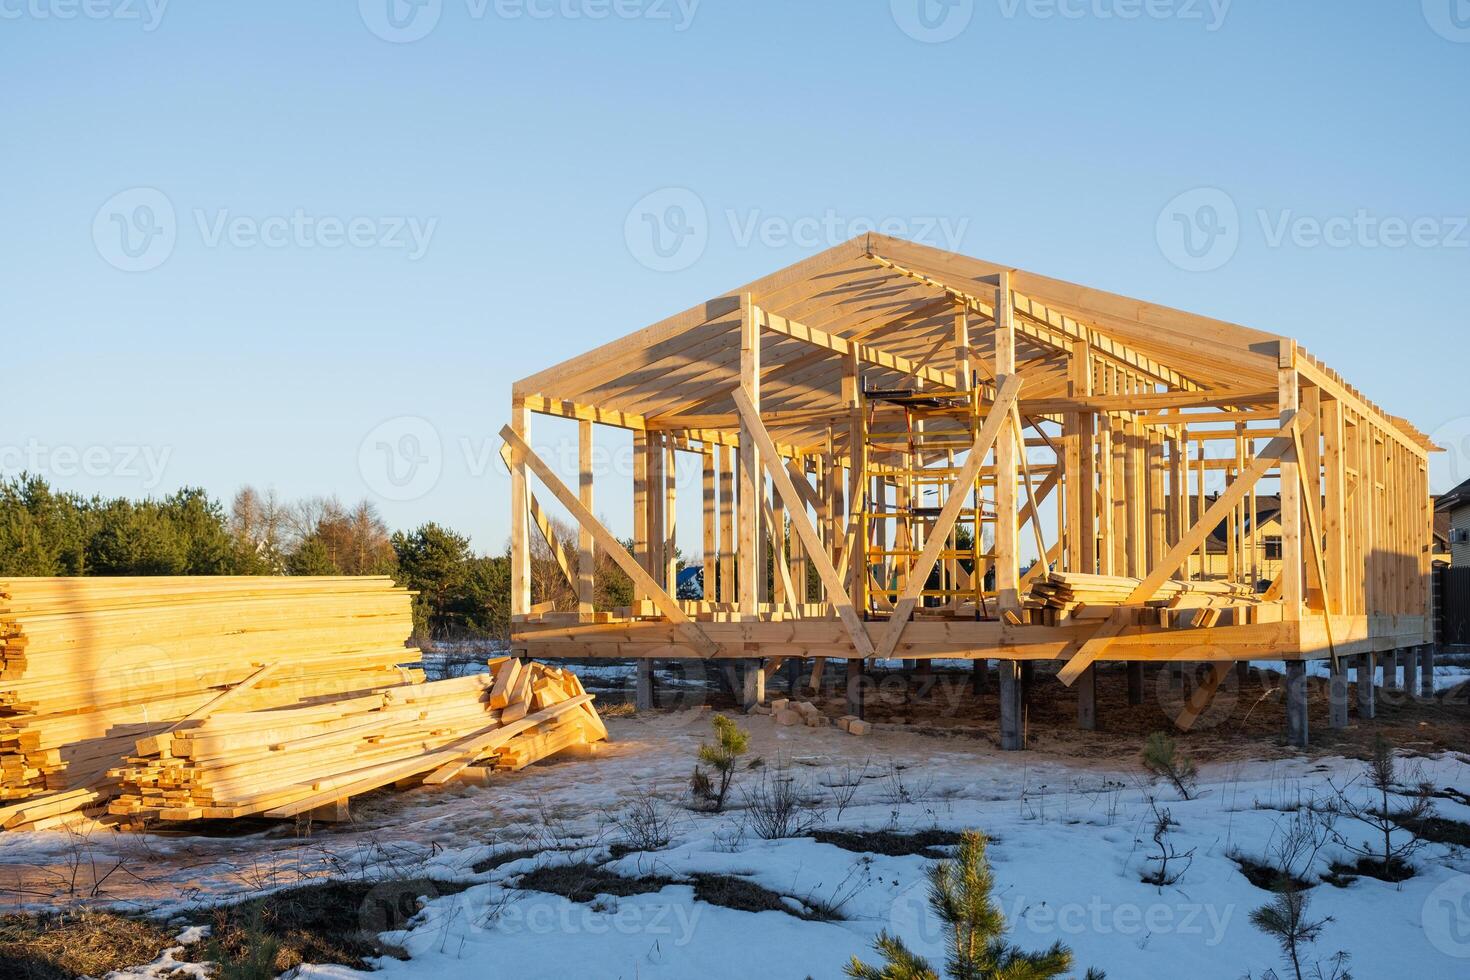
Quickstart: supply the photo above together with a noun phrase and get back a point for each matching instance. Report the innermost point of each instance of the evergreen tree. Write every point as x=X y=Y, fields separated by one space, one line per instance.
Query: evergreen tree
x=1285 y=920
x=959 y=894
x=723 y=756
x=434 y=561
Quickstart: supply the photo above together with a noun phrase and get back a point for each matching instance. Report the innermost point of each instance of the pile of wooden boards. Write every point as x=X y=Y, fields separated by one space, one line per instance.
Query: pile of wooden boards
x=1060 y=597
x=88 y=666
x=287 y=761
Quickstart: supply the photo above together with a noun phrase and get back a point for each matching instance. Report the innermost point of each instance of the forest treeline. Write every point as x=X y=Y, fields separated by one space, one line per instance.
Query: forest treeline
x=461 y=594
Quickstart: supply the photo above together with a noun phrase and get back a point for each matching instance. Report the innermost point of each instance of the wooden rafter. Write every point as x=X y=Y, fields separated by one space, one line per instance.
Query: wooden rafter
x=867 y=353
x=1058 y=331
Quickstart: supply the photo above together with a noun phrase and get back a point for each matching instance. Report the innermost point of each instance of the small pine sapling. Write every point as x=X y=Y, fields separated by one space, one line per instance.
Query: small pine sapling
x=959 y=894
x=1163 y=760
x=1285 y=920
x=723 y=757
x=1383 y=818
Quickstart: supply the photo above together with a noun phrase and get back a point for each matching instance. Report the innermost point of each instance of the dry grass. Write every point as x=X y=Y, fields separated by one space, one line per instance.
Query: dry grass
x=584 y=882
x=62 y=946
x=331 y=922
x=923 y=843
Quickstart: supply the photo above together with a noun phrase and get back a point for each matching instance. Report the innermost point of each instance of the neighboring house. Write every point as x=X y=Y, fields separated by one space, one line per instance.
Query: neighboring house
x=1440 y=551
x=1454 y=508
x=1262 y=555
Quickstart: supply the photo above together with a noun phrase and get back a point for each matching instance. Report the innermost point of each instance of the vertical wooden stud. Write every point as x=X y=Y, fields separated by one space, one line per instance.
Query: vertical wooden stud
x=586 y=543
x=520 y=512
x=1007 y=558
x=752 y=485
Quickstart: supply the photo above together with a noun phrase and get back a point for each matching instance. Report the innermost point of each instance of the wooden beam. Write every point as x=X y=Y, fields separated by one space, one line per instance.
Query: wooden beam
x=727 y=525
x=670 y=462
x=1007 y=546
x=1317 y=567
x=1204 y=695
x=854 y=542
x=666 y=604
x=586 y=555
x=1289 y=400
x=543 y=524
x=748 y=557
x=565 y=409
x=996 y=423
x=731 y=421
x=1334 y=493
x=520 y=512
x=641 y=540
x=711 y=519
x=1147 y=401
x=1168 y=418
x=866 y=353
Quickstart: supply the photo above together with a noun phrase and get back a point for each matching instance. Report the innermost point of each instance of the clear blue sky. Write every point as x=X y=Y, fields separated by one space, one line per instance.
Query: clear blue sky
x=518 y=135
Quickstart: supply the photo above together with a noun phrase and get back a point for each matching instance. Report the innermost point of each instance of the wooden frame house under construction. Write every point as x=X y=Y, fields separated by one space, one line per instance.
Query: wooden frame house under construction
x=892 y=435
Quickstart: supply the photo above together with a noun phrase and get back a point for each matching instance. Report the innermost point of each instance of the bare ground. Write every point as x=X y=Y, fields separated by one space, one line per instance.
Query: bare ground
x=1247 y=720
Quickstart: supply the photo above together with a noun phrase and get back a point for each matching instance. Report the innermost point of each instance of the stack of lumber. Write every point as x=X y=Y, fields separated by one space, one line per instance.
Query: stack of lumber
x=1061 y=596
x=90 y=665
x=287 y=761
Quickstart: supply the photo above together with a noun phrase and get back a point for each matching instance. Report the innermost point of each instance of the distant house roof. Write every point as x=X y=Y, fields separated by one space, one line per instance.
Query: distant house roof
x=1268 y=509
x=1454 y=499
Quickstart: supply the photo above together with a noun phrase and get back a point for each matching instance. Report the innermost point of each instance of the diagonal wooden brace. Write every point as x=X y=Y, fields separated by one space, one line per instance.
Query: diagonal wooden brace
x=1203 y=696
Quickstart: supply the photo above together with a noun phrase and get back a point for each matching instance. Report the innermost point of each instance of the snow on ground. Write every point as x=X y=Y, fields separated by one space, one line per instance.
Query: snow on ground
x=1446 y=675
x=1070 y=846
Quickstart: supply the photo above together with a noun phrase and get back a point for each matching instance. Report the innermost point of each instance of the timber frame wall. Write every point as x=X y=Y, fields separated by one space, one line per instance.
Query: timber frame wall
x=1096 y=422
